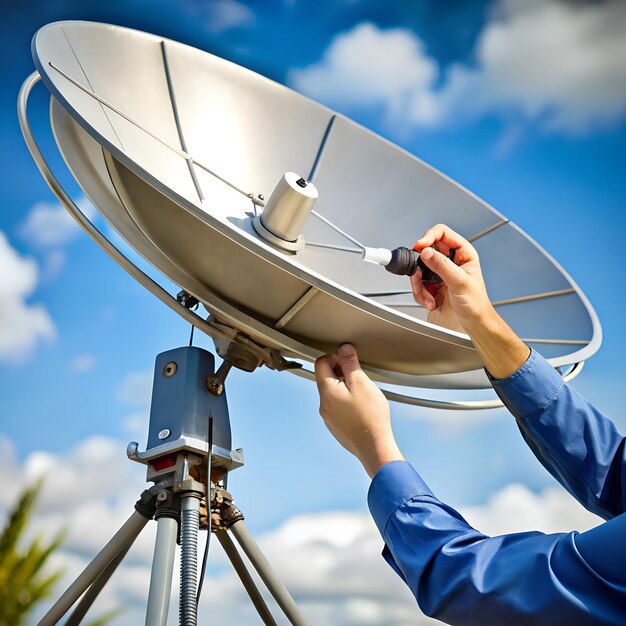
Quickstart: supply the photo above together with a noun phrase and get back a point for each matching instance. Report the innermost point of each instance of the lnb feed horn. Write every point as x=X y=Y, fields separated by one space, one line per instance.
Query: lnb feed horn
x=286 y=212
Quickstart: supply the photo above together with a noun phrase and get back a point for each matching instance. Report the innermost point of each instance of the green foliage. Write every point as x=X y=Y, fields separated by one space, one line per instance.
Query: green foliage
x=23 y=581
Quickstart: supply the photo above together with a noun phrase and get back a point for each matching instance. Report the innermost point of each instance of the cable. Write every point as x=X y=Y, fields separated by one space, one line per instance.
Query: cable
x=193 y=308
x=205 y=557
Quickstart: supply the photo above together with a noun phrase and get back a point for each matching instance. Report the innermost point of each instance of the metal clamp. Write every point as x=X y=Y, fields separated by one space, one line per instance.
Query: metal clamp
x=224 y=513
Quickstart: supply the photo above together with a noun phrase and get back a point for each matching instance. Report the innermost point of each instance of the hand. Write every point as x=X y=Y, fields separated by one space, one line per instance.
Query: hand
x=461 y=302
x=355 y=410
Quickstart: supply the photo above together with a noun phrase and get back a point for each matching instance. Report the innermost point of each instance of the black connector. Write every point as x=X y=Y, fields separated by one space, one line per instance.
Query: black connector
x=405 y=262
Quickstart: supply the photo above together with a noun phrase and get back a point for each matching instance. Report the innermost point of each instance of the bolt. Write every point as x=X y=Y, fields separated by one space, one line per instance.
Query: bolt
x=162 y=496
x=164 y=434
x=170 y=369
x=261 y=196
x=214 y=385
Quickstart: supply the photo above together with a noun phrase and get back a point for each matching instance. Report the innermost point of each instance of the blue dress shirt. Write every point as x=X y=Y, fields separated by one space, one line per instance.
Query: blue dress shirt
x=460 y=576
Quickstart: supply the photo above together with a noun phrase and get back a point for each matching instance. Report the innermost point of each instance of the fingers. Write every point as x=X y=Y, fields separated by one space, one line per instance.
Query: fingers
x=349 y=362
x=449 y=271
x=420 y=294
x=333 y=369
x=325 y=371
x=447 y=238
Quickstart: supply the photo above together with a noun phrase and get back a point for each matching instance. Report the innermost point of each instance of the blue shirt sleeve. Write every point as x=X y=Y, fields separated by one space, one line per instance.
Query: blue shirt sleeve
x=460 y=576
x=578 y=445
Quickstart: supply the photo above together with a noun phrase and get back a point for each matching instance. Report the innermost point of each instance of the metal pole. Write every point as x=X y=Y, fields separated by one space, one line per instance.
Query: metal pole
x=190 y=523
x=94 y=590
x=267 y=574
x=240 y=567
x=125 y=536
x=162 y=570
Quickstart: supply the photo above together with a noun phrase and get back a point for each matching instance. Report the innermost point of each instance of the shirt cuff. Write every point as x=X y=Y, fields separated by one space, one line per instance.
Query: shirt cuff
x=531 y=388
x=394 y=484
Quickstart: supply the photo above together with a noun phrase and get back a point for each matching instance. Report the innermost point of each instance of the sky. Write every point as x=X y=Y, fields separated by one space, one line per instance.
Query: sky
x=521 y=101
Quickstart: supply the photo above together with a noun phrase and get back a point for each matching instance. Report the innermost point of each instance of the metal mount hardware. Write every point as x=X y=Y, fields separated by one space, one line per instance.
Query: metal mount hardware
x=220 y=457
x=224 y=513
x=215 y=382
x=287 y=246
x=187 y=300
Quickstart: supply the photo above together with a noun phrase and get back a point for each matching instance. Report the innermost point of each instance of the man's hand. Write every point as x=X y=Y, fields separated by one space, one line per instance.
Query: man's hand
x=462 y=299
x=355 y=410
x=462 y=303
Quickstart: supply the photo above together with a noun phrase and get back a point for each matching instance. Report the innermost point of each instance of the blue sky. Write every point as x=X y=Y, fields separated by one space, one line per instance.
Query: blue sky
x=539 y=133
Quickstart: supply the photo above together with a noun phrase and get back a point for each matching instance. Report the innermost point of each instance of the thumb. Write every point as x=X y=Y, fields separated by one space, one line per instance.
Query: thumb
x=449 y=271
x=349 y=361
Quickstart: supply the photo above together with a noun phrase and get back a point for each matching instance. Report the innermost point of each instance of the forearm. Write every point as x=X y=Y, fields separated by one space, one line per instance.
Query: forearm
x=574 y=441
x=501 y=350
x=461 y=576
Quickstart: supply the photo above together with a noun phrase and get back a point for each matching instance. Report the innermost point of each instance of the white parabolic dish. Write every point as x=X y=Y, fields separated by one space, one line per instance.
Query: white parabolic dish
x=127 y=110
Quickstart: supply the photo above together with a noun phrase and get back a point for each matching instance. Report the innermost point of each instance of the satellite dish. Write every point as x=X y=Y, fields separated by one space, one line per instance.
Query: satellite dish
x=263 y=206
x=179 y=150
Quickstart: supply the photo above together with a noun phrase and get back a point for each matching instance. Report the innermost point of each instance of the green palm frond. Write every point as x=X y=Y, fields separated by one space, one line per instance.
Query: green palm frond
x=24 y=578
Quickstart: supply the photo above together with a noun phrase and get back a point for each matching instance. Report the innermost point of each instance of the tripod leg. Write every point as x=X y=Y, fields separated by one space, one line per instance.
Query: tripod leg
x=162 y=569
x=95 y=588
x=123 y=537
x=246 y=579
x=267 y=574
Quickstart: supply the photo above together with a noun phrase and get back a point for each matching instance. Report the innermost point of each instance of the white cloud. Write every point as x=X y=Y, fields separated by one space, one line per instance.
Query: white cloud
x=89 y=491
x=136 y=388
x=516 y=509
x=372 y=67
x=136 y=425
x=220 y=15
x=329 y=560
x=53 y=264
x=22 y=325
x=554 y=63
x=447 y=422
x=48 y=224
x=82 y=363
x=227 y=14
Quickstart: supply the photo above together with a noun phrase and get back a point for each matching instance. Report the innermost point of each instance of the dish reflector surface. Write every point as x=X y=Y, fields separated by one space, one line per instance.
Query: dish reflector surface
x=168 y=141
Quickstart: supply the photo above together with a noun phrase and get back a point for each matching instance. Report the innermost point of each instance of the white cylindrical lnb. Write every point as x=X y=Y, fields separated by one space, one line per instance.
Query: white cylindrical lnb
x=380 y=256
x=289 y=206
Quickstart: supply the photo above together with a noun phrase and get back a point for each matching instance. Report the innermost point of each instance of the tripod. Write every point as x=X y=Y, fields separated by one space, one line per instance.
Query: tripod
x=188 y=457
